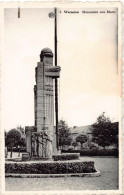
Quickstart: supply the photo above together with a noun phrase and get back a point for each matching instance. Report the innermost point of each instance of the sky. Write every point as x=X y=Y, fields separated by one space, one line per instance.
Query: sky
x=87 y=55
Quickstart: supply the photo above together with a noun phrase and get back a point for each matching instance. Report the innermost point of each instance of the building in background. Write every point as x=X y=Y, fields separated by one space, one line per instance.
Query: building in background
x=83 y=130
x=86 y=130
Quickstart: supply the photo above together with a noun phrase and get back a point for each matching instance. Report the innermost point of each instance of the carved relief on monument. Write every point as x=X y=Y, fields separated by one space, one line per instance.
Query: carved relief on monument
x=52 y=71
x=41 y=144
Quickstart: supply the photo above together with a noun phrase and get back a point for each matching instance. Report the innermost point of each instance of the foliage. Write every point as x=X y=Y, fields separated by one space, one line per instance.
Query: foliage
x=114 y=134
x=82 y=139
x=64 y=134
x=104 y=132
x=21 y=142
x=5 y=133
x=13 y=136
x=74 y=144
x=21 y=129
x=94 y=152
x=68 y=156
x=6 y=140
x=50 y=167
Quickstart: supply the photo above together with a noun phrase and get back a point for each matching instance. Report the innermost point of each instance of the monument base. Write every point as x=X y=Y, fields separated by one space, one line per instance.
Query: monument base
x=96 y=174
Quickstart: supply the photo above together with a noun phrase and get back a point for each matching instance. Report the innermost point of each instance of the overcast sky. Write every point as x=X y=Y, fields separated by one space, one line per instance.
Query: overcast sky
x=87 y=54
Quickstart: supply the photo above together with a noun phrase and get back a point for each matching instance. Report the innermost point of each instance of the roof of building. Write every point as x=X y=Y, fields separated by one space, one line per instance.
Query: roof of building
x=81 y=130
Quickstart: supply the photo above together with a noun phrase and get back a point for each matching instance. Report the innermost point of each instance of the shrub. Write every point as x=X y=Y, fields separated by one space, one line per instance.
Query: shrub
x=61 y=157
x=95 y=152
x=50 y=167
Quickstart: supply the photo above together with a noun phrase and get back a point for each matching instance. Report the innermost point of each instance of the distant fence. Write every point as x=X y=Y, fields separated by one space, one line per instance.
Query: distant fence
x=94 y=152
x=17 y=149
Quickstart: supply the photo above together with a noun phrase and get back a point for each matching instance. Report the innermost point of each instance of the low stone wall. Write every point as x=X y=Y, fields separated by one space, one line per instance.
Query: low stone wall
x=50 y=167
x=68 y=156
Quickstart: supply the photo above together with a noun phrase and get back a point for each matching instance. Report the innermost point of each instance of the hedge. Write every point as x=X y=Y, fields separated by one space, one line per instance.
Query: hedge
x=64 y=167
x=94 y=152
x=68 y=156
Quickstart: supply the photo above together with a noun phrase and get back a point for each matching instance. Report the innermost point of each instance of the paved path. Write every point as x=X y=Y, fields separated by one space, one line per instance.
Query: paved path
x=107 y=181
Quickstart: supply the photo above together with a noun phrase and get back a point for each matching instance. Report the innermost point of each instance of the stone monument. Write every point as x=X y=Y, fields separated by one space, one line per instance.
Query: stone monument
x=41 y=138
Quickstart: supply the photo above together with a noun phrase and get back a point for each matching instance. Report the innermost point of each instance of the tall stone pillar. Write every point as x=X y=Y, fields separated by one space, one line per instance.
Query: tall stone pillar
x=44 y=103
x=35 y=104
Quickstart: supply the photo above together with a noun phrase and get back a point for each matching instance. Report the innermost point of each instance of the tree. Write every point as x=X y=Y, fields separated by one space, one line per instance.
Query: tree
x=104 y=132
x=13 y=136
x=21 y=143
x=64 y=134
x=5 y=137
x=114 y=134
x=21 y=129
x=74 y=144
x=82 y=139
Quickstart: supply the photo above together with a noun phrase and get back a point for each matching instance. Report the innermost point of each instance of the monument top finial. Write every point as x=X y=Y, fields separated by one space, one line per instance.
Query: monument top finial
x=46 y=52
